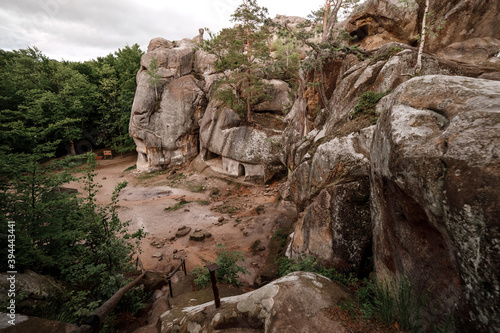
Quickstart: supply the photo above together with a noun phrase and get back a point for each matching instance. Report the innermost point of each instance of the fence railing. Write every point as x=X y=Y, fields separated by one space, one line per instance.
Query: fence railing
x=171 y=275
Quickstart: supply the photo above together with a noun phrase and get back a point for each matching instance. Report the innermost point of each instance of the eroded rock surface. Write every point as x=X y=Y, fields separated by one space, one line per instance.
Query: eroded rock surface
x=336 y=228
x=277 y=307
x=435 y=170
x=255 y=149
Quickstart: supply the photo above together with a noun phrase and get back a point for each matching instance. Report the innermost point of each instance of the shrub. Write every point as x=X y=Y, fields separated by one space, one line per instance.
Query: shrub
x=228 y=271
x=393 y=302
x=366 y=105
x=310 y=264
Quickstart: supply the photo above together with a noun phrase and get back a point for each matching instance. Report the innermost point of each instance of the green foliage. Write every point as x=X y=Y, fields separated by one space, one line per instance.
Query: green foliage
x=73 y=239
x=73 y=103
x=196 y=188
x=286 y=59
x=395 y=301
x=310 y=264
x=241 y=53
x=46 y=105
x=366 y=105
x=227 y=273
x=227 y=209
x=154 y=77
x=281 y=236
x=177 y=206
x=130 y=168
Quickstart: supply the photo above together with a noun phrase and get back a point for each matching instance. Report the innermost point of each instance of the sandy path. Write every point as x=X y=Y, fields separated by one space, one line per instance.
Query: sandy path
x=144 y=200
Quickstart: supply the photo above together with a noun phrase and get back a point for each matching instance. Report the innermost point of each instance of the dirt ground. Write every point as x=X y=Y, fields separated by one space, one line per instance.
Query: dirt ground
x=241 y=216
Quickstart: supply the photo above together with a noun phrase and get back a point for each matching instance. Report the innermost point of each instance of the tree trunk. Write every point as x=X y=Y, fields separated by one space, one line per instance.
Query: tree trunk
x=108 y=306
x=249 y=97
x=418 y=66
x=331 y=21
x=325 y=17
x=249 y=91
x=72 y=149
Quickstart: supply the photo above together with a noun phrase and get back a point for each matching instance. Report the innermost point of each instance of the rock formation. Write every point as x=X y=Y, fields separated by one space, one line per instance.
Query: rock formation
x=415 y=194
x=165 y=125
x=277 y=307
x=171 y=123
x=435 y=170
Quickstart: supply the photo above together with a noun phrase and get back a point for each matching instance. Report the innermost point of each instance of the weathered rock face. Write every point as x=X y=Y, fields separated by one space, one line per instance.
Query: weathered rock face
x=164 y=120
x=167 y=134
x=482 y=51
x=463 y=20
x=277 y=307
x=335 y=161
x=435 y=170
x=336 y=228
x=257 y=150
x=378 y=22
x=456 y=25
x=279 y=93
x=338 y=150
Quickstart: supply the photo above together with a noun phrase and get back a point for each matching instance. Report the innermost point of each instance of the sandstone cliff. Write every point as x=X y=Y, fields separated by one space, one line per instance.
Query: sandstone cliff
x=414 y=192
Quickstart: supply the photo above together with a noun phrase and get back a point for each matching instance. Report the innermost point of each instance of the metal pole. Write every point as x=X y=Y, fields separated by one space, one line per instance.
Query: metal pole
x=170 y=287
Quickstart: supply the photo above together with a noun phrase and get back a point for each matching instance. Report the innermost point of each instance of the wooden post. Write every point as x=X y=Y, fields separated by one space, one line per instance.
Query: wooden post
x=170 y=287
x=213 y=278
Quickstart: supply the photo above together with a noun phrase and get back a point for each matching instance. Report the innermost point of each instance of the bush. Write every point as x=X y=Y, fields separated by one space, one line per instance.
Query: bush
x=310 y=264
x=228 y=271
x=392 y=302
x=366 y=105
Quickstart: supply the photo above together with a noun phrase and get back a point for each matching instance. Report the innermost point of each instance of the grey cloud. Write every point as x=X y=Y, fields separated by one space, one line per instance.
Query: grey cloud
x=84 y=29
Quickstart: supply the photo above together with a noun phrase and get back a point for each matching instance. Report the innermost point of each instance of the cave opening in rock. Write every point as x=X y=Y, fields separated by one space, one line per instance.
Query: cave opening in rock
x=210 y=155
x=360 y=33
x=241 y=170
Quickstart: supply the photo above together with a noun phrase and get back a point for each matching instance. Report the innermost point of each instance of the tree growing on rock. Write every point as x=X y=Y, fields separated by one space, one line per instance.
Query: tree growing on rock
x=431 y=26
x=154 y=77
x=241 y=54
x=330 y=14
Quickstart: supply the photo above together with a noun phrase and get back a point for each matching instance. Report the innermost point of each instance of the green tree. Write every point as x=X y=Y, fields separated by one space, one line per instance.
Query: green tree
x=242 y=53
x=286 y=59
x=154 y=76
x=115 y=77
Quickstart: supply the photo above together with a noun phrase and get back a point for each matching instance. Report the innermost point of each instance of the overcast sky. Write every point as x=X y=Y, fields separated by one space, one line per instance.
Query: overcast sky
x=86 y=29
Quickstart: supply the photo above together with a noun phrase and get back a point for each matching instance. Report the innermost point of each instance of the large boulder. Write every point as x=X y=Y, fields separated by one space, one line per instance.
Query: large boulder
x=483 y=51
x=277 y=307
x=435 y=170
x=390 y=66
x=222 y=133
x=454 y=26
x=279 y=93
x=166 y=131
x=175 y=59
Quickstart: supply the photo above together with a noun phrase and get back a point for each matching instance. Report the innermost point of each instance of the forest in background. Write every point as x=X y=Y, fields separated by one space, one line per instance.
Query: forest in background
x=50 y=109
